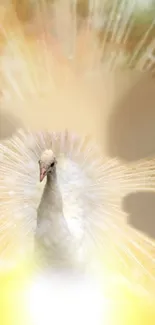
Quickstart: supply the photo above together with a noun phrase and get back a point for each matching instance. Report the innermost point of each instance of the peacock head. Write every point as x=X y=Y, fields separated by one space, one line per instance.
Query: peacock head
x=47 y=163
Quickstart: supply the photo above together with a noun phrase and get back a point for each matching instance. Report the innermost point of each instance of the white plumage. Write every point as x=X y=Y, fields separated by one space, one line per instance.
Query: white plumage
x=52 y=232
x=72 y=206
x=84 y=214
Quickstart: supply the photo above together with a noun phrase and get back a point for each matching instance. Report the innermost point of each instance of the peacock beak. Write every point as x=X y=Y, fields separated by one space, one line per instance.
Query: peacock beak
x=42 y=173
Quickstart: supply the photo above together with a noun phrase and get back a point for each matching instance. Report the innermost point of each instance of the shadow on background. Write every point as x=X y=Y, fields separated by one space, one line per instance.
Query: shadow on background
x=140 y=208
x=131 y=127
x=9 y=123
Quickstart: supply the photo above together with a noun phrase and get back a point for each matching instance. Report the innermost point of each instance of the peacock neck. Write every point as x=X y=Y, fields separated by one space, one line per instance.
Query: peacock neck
x=52 y=231
x=52 y=192
x=52 y=177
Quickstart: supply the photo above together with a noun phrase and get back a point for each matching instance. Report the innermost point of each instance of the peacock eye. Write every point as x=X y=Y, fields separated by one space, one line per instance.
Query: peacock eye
x=52 y=165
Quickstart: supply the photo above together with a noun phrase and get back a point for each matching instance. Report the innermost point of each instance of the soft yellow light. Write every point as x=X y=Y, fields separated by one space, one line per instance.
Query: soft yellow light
x=34 y=300
x=66 y=299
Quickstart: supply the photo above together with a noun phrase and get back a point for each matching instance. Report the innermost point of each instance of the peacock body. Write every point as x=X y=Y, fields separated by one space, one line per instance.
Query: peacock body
x=82 y=197
x=89 y=202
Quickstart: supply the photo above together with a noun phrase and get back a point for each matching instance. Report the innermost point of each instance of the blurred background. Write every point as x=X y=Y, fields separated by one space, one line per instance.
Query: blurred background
x=103 y=69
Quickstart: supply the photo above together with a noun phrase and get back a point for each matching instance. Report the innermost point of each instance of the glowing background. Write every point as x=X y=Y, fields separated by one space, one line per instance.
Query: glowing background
x=84 y=96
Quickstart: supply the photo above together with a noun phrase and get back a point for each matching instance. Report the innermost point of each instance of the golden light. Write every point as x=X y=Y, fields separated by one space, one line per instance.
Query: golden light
x=27 y=299
x=66 y=299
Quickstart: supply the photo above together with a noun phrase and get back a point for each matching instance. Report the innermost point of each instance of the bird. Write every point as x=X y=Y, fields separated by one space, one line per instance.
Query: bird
x=52 y=232
x=61 y=205
x=56 y=208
